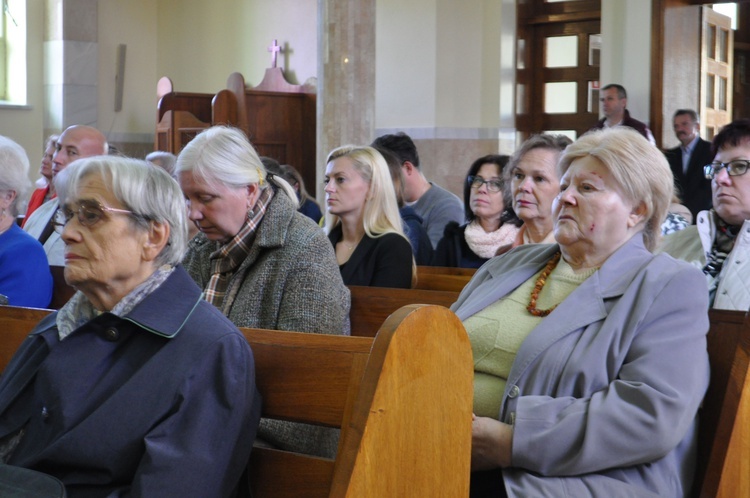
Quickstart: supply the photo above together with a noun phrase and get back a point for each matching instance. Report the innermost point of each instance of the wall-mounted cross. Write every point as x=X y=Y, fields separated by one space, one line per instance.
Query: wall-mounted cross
x=274 y=49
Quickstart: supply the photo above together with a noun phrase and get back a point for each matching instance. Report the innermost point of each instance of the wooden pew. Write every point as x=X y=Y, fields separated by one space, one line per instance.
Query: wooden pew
x=443 y=278
x=180 y=116
x=15 y=325
x=723 y=467
x=370 y=306
x=402 y=400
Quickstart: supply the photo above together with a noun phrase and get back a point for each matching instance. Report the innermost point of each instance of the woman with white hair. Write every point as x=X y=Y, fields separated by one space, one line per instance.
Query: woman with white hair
x=22 y=257
x=136 y=386
x=363 y=221
x=259 y=261
x=590 y=355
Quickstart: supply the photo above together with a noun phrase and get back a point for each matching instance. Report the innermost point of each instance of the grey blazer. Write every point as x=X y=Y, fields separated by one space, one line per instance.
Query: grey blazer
x=604 y=392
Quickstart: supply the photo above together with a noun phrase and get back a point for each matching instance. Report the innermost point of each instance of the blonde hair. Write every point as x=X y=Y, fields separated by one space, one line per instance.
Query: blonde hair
x=640 y=170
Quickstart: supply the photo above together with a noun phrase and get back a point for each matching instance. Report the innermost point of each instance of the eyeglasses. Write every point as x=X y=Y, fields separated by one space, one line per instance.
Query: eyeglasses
x=734 y=168
x=478 y=181
x=89 y=213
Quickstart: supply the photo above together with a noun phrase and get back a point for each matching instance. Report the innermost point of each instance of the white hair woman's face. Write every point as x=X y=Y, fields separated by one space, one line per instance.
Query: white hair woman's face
x=592 y=217
x=108 y=256
x=219 y=211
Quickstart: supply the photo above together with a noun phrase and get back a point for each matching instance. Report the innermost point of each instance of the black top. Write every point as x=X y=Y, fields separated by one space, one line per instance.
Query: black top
x=693 y=188
x=453 y=251
x=385 y=261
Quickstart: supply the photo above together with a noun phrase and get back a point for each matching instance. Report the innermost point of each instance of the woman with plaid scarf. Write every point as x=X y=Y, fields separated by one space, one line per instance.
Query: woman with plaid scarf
x=260 y=261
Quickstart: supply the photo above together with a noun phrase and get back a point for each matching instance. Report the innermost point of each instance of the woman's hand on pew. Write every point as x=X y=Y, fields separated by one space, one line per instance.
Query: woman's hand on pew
x=491 y=443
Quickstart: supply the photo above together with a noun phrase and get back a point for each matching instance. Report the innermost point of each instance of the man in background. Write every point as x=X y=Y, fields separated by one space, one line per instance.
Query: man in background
x=435 y=205
x=75 y=142
x=614 y=99
x=687 y=162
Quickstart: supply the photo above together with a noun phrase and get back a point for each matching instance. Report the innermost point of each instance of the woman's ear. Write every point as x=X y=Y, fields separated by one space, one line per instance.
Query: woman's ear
x=637 y=215
x=156 y=239
x=252 y=192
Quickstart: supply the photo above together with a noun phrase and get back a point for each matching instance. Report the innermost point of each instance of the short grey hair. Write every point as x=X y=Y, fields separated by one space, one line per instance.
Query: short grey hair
x=149 y=192
x=14 y=171
x=222 y=155
x=641 y=171
x=163 y=159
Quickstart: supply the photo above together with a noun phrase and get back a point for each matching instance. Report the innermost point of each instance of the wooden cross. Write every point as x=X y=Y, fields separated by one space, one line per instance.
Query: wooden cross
x=274 y=49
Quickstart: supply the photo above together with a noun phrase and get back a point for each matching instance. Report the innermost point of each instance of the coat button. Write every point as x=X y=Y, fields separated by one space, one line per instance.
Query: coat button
x=514 y=392
x=45 y=414
x=111 y=334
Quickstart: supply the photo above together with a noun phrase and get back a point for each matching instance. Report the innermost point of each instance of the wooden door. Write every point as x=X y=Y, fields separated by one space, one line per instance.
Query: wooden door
x=558 y=67
x=717 y=59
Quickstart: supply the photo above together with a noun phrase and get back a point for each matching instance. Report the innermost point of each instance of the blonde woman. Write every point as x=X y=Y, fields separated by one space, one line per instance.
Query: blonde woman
x=363 y=222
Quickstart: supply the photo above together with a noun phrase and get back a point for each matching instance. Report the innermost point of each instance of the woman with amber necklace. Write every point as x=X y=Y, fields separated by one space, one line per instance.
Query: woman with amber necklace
x=590 y=354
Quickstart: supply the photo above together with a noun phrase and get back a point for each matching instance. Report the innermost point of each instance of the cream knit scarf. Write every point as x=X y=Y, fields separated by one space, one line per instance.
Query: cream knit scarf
x=485 y=245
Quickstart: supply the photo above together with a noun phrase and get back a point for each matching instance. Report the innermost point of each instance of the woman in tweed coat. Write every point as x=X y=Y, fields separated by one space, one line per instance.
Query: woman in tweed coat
x=262 y=263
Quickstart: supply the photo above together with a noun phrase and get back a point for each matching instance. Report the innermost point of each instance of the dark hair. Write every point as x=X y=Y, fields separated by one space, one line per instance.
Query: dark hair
x=620 y=90
x=689 y=112
x=400 y=144
x=272 y=165
x=508 y=215
x=731 y=135
x=397 y=174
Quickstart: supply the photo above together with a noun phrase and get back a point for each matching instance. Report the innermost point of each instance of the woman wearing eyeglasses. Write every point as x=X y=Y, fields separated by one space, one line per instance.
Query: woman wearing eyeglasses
x=720 y=240
x=491 y=223
x=136 y=386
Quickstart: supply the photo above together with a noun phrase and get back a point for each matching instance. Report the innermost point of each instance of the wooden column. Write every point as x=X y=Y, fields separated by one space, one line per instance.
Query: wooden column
x=346 y=78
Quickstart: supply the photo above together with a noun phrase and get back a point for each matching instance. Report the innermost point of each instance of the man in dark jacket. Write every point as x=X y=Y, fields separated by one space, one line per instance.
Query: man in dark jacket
x=687 y=162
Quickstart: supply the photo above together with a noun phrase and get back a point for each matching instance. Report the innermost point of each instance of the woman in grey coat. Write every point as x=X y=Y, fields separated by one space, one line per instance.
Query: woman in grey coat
x=590 y=354
x=262 y=263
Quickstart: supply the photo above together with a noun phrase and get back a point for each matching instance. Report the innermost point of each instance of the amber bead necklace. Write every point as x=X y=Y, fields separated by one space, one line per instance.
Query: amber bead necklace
x=540 y=285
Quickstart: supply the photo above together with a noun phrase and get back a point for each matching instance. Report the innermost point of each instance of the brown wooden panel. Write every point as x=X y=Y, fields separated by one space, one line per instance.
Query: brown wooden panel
x=370 y=306
x=15 y=325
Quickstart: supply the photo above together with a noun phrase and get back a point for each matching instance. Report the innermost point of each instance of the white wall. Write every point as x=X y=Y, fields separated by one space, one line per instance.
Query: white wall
x=406 y=65
x=200 y=43
x=132 y=23
x=626 y=51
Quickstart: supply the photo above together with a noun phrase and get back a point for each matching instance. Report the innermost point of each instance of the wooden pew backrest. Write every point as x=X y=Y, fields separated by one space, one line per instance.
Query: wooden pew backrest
x=443 y=278
x=370 y=306
x=724 y=434
x=15 y=325
x=403 y=401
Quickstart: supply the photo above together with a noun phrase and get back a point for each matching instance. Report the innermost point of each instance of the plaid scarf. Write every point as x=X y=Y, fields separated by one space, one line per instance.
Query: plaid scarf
x=723 y=244
x=226 y=259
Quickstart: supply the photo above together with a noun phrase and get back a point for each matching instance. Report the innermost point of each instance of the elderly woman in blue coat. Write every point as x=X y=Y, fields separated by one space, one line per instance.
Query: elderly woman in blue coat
x=137 y=386
x=590 y=354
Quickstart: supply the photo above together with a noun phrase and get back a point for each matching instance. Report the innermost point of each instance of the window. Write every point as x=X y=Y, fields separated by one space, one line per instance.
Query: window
x=13 y=52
